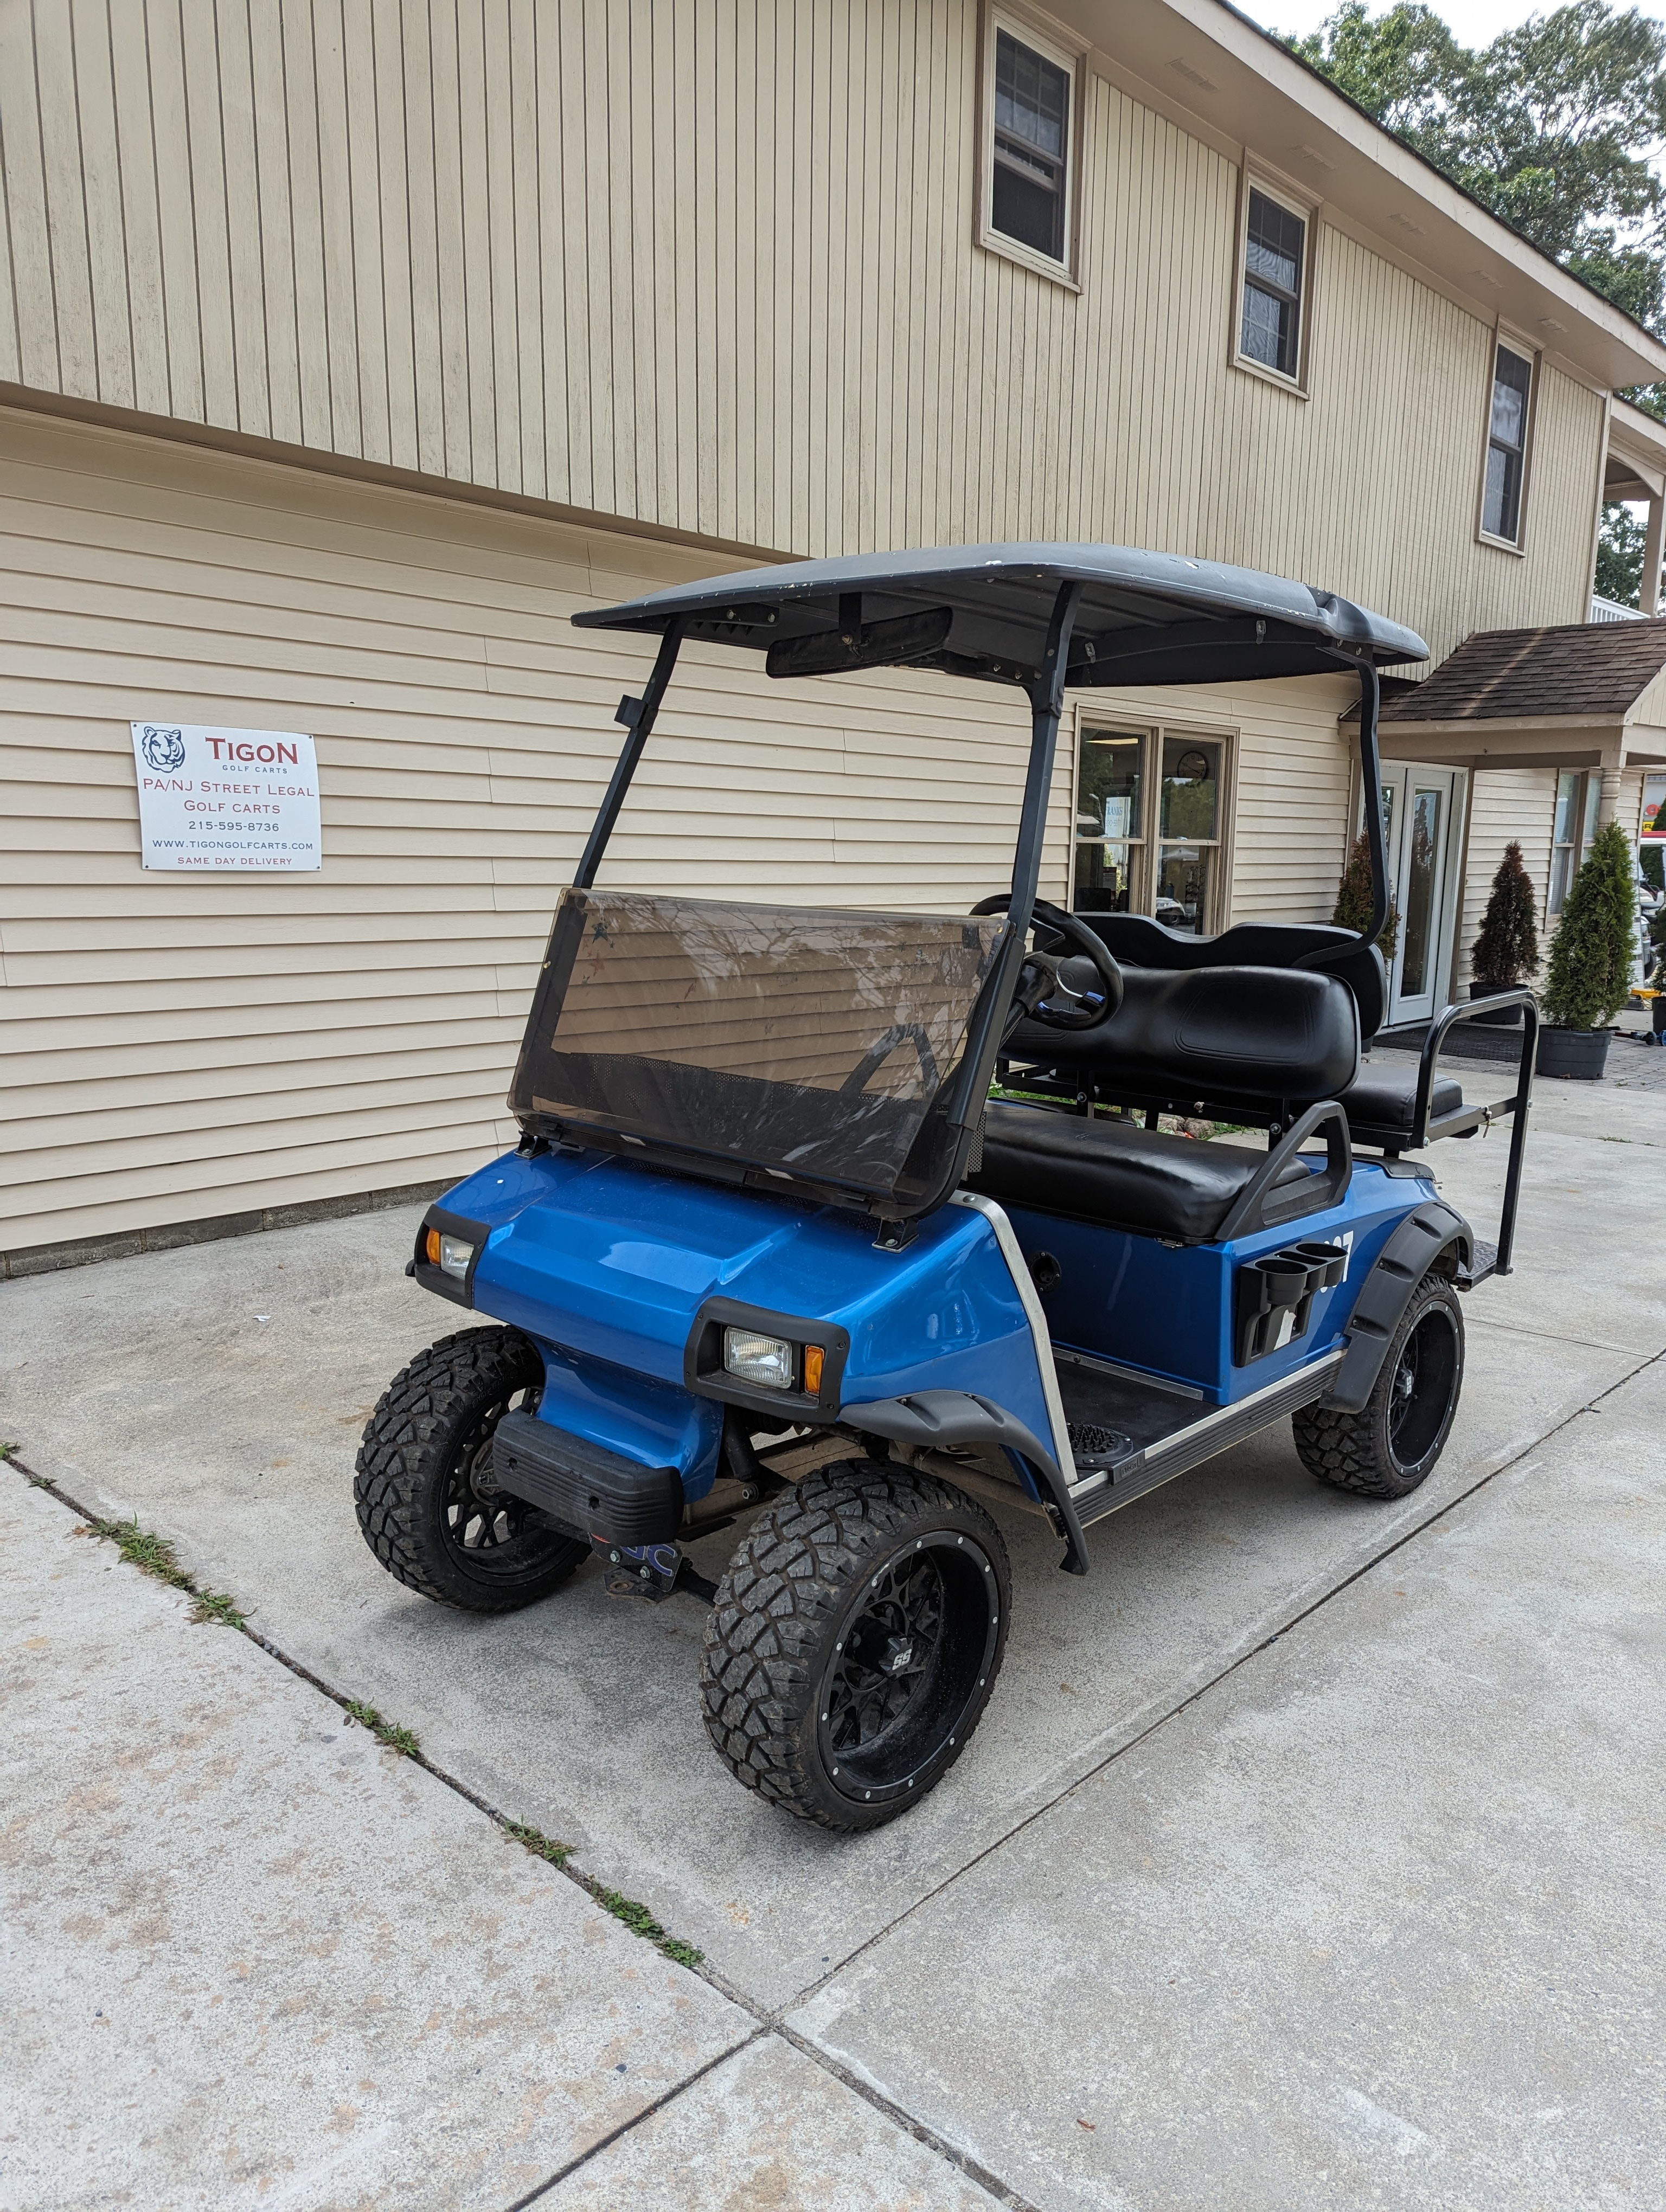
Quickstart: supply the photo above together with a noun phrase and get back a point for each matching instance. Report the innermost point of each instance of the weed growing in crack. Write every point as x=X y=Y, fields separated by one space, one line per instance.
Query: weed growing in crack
x=402 y=1740
x=540 y=1845
x=636 y=1918
x=642 y=1921
x=155 y=1556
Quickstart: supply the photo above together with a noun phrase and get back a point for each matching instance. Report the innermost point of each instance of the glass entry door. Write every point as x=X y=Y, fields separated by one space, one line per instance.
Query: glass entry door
x=1421 y=821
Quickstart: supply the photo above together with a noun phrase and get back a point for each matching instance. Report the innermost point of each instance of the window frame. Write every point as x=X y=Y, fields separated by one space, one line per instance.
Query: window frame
x=1056 y=43
x=1145 y=840
x=1254 y=178
x=1523 y=350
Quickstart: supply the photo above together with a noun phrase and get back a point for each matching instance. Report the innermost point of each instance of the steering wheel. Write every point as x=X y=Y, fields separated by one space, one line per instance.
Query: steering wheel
x=1067 y=990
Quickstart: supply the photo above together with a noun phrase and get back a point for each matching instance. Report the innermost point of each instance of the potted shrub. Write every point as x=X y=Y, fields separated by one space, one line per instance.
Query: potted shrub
x=1506 y=953
x=1353 y=898
x=1590 y=961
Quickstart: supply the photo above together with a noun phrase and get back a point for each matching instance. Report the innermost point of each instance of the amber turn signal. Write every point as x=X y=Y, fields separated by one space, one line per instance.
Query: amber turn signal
x=431 y=1247
x=812 y=1371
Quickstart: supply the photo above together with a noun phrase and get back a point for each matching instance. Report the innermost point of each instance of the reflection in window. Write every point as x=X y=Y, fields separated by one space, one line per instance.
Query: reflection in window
x=1031 y=149
x=1273 y=245
x=1506 y=445
x=1578 y=797
x=1189 y=827
x=1109 y=819
x=1421 y=865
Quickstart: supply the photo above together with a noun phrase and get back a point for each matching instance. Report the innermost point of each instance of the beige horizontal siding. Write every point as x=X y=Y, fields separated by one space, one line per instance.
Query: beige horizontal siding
x=710 y=265
x=174 y=1047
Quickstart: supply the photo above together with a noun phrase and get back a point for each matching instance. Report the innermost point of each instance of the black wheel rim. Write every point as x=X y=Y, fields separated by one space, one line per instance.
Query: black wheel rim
x=488 y=1533
x=909 y=1662
x=1421 y=1392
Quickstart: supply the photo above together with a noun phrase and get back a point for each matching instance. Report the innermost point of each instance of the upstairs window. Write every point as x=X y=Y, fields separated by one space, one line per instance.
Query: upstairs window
x=1506 y=445
x=1032 y=137
x=1030 y=155
x=1274 y=268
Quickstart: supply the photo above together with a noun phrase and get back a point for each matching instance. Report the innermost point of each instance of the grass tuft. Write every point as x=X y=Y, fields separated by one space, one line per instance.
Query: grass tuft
x=215 y=1605
x=540 y=1845
x=642 y=1921
x=155 y=1556
x=402 y=1740
x=634 y=1916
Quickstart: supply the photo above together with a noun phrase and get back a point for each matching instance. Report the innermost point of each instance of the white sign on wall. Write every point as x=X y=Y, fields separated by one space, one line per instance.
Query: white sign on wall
x=211 y=798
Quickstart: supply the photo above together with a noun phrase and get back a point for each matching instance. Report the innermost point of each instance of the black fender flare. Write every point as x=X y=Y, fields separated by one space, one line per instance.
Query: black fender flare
x=1432 y=1228
x=928 y=1419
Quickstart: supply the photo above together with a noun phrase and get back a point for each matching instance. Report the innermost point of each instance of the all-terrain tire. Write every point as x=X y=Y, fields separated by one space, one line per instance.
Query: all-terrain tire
x=832 y=1588
x=1392 y=1443
x=423 y=1484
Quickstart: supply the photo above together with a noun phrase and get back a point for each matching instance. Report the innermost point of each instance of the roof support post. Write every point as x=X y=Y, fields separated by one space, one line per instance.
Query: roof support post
x=1371 y=786
x=638 y=717
x=1649 y=598
x=1046 y=705
x=971 y=1085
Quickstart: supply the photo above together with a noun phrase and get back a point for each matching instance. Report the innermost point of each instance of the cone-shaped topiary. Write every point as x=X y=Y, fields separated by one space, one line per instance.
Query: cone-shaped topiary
x=1352 y=909
x=1591 y=957
x=1507 y=951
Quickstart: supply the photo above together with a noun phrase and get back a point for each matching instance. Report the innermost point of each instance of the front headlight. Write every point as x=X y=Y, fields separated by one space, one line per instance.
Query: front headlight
x=450 y=1254
x=769 y=1361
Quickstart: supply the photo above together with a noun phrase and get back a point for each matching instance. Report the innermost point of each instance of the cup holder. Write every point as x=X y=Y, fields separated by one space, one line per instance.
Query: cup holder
x=1273 y=1298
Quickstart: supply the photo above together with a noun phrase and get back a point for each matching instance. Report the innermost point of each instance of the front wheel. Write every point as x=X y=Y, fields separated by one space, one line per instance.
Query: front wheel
x=429 y=1505
x=1392 y=1443
x=854 y=1643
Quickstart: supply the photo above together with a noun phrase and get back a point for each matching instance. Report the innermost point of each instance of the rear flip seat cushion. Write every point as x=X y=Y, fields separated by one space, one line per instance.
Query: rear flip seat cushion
x=1383 y=1098
x=1114 y=1173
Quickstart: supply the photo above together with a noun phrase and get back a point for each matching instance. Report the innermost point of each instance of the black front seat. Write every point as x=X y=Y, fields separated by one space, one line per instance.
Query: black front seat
x=1122 y=1177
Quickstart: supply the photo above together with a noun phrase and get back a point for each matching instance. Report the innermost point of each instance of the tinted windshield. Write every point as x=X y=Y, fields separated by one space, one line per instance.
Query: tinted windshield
x=806 y=1040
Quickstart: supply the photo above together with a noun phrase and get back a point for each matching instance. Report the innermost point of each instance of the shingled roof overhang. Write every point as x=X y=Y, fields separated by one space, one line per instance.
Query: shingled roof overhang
x=1578 y=694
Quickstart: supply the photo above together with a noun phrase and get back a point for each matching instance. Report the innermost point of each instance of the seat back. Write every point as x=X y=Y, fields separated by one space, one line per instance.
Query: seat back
x=1271 y=1035
x=1135 y=939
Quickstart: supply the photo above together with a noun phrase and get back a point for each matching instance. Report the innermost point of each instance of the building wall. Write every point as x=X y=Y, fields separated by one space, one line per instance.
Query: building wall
x=1521 y=804
x=176 y=1048
x=709 y=265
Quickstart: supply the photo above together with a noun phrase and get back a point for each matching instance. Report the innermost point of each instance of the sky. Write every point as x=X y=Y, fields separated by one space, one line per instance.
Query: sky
x=1476 y=22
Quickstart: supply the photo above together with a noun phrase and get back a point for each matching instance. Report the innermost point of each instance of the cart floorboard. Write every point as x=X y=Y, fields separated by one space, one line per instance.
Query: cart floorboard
x=1162 y=1428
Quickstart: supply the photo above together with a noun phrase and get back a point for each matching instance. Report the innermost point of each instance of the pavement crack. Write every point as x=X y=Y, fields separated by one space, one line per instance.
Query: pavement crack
x=1203 y=1689
x=647 y=2112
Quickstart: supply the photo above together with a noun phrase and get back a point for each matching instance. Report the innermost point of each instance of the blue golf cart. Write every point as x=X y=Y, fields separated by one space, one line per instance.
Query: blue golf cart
x=840 y=1228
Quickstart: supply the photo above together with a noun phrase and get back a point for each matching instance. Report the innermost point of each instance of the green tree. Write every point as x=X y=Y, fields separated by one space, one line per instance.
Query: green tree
x=1352 y=909
x=1552 y=126
x=1591 y=955
x=1619 y=555
x=1506 y=953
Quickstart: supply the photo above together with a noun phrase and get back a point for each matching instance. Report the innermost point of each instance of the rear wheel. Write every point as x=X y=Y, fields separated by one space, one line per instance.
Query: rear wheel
x=1392 y=1443
x=429 y=1505
x=854 y=1643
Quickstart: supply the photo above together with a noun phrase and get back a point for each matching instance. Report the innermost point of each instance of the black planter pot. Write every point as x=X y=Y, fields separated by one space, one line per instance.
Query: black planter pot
x=1505 y=1018
x=1580 y=1054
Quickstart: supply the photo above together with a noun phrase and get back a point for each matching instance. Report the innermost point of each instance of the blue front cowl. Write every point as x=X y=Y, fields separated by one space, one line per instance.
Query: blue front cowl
x=607 y=1264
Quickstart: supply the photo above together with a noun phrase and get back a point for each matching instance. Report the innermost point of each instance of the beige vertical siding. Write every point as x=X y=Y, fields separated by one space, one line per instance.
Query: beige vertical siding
x=175 y=1047
x=1517 y=803
x=709 y=265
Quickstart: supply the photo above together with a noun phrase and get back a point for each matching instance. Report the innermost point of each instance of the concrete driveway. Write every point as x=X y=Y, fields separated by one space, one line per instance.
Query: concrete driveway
x=1302 y=1858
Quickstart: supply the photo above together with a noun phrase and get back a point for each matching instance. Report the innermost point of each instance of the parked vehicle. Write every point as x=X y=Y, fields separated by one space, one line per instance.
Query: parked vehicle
x=767 y=1240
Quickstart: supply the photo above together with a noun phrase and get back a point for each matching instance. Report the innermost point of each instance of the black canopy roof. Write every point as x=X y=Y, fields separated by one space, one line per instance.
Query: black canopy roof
x=982 y=610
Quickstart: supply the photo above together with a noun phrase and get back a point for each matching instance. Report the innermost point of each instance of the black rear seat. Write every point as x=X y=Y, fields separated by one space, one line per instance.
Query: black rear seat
x=1205 y=1021
x=1124 y=1177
